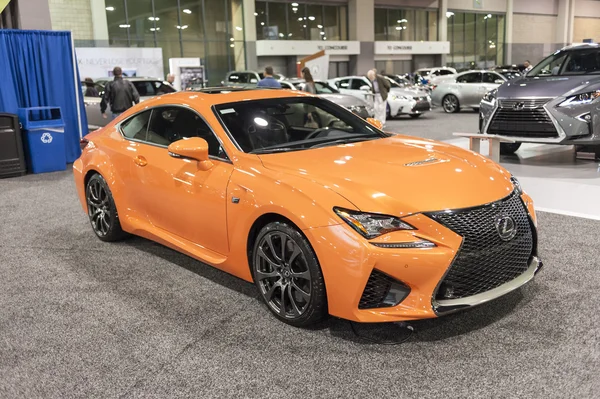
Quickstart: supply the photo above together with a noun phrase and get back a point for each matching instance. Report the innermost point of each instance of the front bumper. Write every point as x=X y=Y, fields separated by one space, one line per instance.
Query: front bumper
x=546 y=123
x=415 y=106
x=348 y=263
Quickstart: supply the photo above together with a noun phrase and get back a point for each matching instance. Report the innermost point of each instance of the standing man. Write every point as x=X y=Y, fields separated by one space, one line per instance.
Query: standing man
x=269 y=80
x=170 y=79
x=380 y=88
x=527 y=66
x=120 y=94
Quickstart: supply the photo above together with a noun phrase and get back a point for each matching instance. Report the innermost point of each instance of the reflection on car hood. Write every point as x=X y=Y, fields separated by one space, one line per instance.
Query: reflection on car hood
x=399 y=175
x=345 y=100
x=408 y=92
x=552 y=86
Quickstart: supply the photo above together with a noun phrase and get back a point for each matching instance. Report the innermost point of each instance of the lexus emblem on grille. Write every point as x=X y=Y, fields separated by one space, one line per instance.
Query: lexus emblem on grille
x=519 y=106
x=506 y=227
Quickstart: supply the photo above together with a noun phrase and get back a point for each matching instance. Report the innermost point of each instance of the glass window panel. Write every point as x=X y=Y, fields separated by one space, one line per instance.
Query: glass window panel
x=142 y=21
x=314 y=22
x=433 y=25
x=470 y=42
x=457 y=42
x=380 y=24
x=492 y=41
x=394 y=27
x=218 y=58
x=343 y=18
x=421 y=25
x=480 y=39
x=297 y=22
x=190 y=14
x=215 y=20
x=500 y=45
x=260 y=12
x=407 y=23
x=236 y=16
x=118 y=27
x=168 y=19
x=332 y=24
x=277 y=29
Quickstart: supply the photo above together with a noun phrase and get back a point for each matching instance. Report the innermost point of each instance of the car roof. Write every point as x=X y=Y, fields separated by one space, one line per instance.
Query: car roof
x=581 y=46
x=224 y=95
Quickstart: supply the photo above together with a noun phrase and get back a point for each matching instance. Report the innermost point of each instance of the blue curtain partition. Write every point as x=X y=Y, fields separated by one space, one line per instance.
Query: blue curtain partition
x=37 y=69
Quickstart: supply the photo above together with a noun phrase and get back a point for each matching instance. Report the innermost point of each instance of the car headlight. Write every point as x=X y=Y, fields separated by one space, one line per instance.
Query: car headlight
x=516 y=184
x=580 y=99
x=490 y=96
x=371 y=225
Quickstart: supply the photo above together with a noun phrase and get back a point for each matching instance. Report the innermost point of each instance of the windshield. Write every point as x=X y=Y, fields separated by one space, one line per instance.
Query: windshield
x=324 y=88
x=577 y=62
x=292 y=124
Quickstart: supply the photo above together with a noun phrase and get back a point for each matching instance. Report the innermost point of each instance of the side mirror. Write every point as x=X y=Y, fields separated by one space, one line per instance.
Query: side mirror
x=192 y=148
x=499 y=81
x=253 y=81
x=375 y=122
x=365 y=88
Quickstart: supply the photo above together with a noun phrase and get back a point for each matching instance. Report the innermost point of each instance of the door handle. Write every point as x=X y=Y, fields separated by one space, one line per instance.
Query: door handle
x=140 y=161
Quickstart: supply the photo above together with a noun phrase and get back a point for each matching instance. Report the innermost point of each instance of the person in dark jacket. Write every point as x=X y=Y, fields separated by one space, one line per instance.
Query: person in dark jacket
x=90 y=90
x=380 y=87
x=120 y=94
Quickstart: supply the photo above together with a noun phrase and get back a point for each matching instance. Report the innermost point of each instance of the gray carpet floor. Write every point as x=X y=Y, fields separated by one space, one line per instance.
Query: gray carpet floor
x=83 y=318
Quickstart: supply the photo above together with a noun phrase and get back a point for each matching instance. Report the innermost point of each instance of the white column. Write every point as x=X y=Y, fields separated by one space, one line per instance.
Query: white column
x=562 y=22
x=443 y=26
x=361 y=26
x=100 y=24
x=571 y=21
x=250 y=34
x=508 y=32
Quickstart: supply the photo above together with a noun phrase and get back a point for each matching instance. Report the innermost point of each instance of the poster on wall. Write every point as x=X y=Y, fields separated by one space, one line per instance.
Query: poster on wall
x=189 y=73
x=98 y=62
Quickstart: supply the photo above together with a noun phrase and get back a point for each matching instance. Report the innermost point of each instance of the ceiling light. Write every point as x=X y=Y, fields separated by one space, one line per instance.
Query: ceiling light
x=322 y=33
x=311 y=18
x=262 y=24
x=300 y=19
x=154 y=29
x=231 y=39
x=232 y=45
x=294 y=9
x=187 y=11
x=294 y=4
x=182 y=27
x=304 y=26
x=153 y=19
x=449 y=14
x=324 y=38
x=281 y=35
x=125 y=26
x=256 y=14
x=238 y=28
x=110 y=8
x=398 y=28
x=320 y=26
x=289 y=34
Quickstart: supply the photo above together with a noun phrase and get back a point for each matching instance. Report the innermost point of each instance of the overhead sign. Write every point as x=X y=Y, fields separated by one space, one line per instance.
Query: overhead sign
x=305 y=47
x=96 y=62
x=412 y=47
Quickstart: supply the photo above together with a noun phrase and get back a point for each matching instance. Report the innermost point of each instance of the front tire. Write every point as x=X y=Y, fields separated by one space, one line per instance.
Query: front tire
x=288 y=276
x=102 y=210
x=509 y=148
x=450 y=104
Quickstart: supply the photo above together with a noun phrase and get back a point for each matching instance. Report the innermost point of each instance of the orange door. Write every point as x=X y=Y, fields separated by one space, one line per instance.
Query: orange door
x=182 y=199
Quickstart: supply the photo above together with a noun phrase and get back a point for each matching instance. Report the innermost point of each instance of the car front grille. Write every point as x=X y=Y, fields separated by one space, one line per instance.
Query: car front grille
x=485 y=261
x=523 y=118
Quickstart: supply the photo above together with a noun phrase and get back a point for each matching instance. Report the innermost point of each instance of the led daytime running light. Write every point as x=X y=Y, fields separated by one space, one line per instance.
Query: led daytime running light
x=405 y=245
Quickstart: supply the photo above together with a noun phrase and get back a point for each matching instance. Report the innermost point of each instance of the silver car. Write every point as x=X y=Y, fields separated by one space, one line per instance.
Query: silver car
x=557 y=102
x=146 y=88
x=360 y=107
x=465 y=90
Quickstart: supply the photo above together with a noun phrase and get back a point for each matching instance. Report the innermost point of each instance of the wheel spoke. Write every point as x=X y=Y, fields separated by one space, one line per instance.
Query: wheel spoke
x=263 y=275
x=104 y=223
x=282 y=301
x=295 y=310
x=282 y=239
x=269 y=294
x=263 y=255
x=305 y=295
x=269 y=241
x=294 y=255
x=305 y=275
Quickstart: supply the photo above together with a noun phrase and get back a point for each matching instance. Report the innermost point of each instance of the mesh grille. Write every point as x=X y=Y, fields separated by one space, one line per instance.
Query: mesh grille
x=376 y=291
x=528 y=119
x=485 y=261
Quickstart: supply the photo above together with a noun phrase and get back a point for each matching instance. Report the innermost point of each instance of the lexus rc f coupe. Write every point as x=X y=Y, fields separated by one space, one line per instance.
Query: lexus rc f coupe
x=319 y=208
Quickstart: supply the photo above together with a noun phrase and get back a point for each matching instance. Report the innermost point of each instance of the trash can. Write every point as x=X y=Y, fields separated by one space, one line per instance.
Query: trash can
x=44 y=139
x=12 y=158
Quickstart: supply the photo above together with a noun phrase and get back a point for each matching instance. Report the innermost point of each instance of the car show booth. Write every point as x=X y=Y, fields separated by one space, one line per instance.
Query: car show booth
x=38 y=69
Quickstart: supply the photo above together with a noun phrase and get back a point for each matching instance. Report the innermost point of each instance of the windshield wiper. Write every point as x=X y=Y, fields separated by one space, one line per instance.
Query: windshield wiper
x=268 y=150
x=344 y=141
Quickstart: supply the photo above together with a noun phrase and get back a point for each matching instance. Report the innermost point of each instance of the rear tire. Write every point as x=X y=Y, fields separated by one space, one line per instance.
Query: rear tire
x=450 y=104
x=509 y=148
x=102 y=211
x=287 y=274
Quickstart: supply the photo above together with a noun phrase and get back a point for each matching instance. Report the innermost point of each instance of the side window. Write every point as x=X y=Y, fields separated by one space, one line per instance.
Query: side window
x=169 y=124
x=357 y=84
x=446 y=72
x=145 y=89
x=322 y=88
x=491 y=77
x=236 y=78
x=250 y=78
x=343 y=83
x=162 y=88
x=474 y=77
x=136 y=127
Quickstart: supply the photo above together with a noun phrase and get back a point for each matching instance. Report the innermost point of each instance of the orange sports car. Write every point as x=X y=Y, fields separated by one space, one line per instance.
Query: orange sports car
x=322 y=210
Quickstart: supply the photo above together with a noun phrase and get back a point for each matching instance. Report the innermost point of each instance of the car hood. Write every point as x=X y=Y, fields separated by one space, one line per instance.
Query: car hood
x=408 y=92
x=345 y=100
x=399 y=175
x=551 y=86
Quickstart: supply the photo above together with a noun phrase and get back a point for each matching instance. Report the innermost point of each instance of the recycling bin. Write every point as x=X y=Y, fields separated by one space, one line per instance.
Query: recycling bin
x=44 y=138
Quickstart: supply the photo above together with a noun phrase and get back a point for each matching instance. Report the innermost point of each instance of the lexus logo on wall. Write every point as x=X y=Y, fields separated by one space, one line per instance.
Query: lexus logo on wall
x=506 y=227
x=519 y=106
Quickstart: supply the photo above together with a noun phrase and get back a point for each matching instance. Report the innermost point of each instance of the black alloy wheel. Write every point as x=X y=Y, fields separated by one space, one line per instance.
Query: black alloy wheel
x=288 y=275
x=101 y=210
x=509 y=148
x=450 y=104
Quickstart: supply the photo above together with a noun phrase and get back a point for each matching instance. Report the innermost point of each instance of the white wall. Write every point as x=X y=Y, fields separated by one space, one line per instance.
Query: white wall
x=534 y=28
x=549 y=7
x=587 y=8
x=73 y=15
